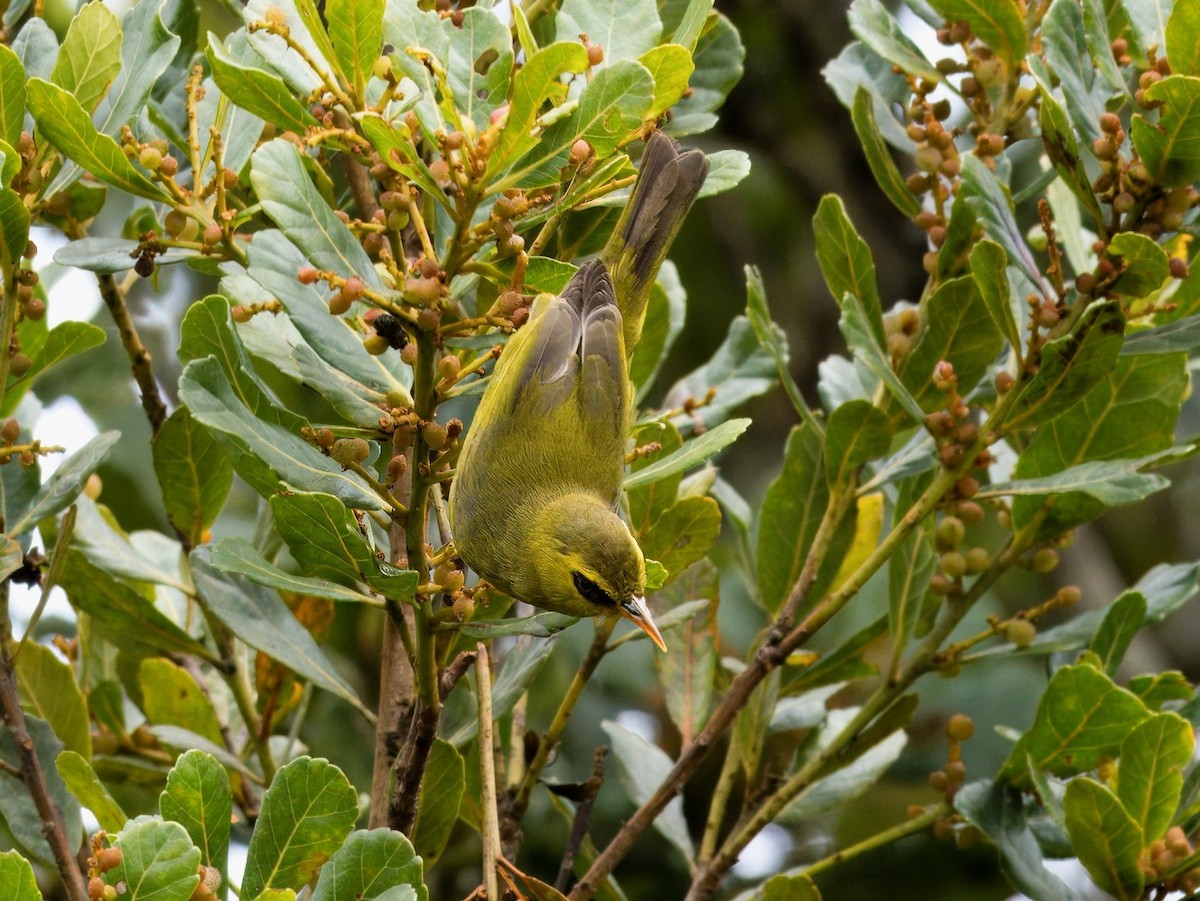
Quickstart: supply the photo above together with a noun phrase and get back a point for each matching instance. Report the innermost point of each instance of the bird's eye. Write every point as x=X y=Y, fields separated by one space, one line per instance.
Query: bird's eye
x=591 y=591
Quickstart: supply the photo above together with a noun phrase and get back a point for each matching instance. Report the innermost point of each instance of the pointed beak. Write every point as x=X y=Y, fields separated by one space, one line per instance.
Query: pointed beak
x=638 y=613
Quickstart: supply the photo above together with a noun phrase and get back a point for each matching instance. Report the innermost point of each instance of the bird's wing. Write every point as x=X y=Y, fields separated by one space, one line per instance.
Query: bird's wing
x=602 y=386
x=551 y=369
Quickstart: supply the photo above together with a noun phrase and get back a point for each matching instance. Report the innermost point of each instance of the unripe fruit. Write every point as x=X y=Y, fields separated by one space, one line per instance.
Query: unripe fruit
x=1069 y=594
x=956 y=771
x=27 y=458
x=960 y=727
x=1124 y=202
x=95 y=888
x=1044 y=560
x=434 y=434
x=19 y=364
x=383 y=67
x=10 y=431
x=428 y=319
x=970 y=512
x=449 y=367
x=306 y=275
x=978 y=559
x=350 y=450
x=35 y=308
x=150 y=158
x=93 y=487
x=354 y=287
x=409 y=354
x=938 y=781
x=422 y=291
x=110 y=893
x=1178 y=268
x=452 y=581
x=950 y=532
x=464 y=606
x=1020 y=632
x=396 y=468
x=953 y=564
x=967 y=486
x=339 y=304
x=241 y=313
x=169 y=166
x=376 y=345
x=325 y=438
x=595 y=54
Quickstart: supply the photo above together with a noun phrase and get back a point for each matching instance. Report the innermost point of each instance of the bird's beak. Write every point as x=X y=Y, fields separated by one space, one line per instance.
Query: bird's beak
x=636 y=611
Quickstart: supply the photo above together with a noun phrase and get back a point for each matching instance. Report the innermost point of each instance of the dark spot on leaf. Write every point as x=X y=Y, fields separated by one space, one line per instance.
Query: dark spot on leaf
x=485 y=61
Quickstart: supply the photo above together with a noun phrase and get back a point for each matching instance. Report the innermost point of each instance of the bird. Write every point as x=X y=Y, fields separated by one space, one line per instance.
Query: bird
x=535 y=500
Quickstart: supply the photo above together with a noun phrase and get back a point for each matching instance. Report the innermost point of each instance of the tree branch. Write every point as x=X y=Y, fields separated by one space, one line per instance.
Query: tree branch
x=31 y=773
x=139 y=357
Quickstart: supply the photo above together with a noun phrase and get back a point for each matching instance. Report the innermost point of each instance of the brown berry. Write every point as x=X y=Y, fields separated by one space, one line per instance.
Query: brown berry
x=19 y=364
x=595 y=54
x=241 y=313
x=10 y=431
x=350 y=450
x=108 y=859
x=434 y=434
x=339 y=303
x=1178 y=267
x=95 y=888
x=169 y=166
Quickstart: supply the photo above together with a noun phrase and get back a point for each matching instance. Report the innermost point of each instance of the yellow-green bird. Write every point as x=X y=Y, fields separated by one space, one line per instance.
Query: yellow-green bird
x=535 y=499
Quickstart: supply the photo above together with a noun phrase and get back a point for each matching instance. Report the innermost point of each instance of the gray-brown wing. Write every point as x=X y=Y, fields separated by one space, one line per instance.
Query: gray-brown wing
x=551 y=371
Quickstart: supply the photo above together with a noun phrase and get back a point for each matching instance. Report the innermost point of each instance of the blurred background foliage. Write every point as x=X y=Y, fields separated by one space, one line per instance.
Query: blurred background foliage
x=802 y=146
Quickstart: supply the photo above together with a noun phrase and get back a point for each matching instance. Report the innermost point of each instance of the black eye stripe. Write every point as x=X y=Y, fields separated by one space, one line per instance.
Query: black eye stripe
x=591 y=591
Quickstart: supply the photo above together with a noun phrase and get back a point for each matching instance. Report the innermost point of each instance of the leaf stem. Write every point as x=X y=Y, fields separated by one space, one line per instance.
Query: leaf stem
x=886 y=837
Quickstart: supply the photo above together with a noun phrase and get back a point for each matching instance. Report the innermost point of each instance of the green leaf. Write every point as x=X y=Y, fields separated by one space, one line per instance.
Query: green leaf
x=210 y=398
x=665 y=313
x=1128 y=418
x=368 y=864
x=790 y=515
x=260 y=619
x=64 y=122
x=14 y=222
x=1112 y=483
x=480 y=64
x=855 y=326
x=787 y=887
x=49 y=691
x=610 y=107
x=910 y=570
x=999 y=813
x=66 y=484
x=1084 y=87
x=856 y=433
x=718 y=57
x=1121 y=622
x=1183 y=37
x=1150 y=775
x=441 y=793
x=846 y=262
x=879 y=157
x=256 y=90
x=171 y=697
x=739 y=370
x=147 y=49
x=691 y=454
x=274 y=262
x=1081 y=717
x=671 y=66
x=683 y=534
x=198 y=797
x=625 y=29
x=992 y=203
x=1179 y=335
x=109 y=255
x=65 y=340
x=772 y=339
x=989 y=269
x=959 y=329
x=539 y=625
x=327 y=542
x=1170 y=148
x=873 y=24
x=307 y=814
x=852 y=780
x=85 y=785
x=158 y=861
x=859 y=67
x=194 y=473
x=643 y=767
x=1106 y=839
x=236 y=555
x=12 y=97
x=688 y=674
x=1143 y=265
x=356 y=32
x=1072 y=364
x=17 y=810
x=997 y=23
x=90 y=56
x=122 y=615
x=531 y=86
x=288 y=196
x=1058 y=137
x=17 y=882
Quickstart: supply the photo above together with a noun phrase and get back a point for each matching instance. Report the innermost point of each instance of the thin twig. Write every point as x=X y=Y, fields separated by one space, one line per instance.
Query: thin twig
x=139 y=357
x=30 y=767
x=583 y=813
x=455 y=671
x=897 y=832
x=487 y=773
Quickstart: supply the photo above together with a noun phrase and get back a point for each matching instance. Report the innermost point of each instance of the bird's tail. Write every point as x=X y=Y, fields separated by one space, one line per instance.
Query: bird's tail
x=665 y=189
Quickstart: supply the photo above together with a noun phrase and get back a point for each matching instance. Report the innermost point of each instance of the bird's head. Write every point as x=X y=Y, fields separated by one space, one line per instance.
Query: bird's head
x=590 y=563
